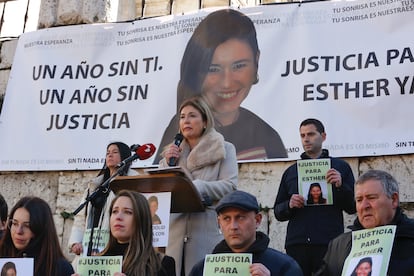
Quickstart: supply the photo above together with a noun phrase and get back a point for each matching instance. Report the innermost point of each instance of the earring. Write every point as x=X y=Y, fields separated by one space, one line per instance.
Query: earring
x=257 y=79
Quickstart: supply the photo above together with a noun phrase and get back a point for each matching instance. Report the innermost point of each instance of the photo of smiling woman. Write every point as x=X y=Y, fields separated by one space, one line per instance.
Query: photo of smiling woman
x=221 y=62
x=363 y=268
x=8 y=269
x=315 y=195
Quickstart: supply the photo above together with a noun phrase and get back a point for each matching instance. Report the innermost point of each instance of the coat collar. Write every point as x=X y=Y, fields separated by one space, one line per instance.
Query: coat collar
x=209 y=150
x=324 y=154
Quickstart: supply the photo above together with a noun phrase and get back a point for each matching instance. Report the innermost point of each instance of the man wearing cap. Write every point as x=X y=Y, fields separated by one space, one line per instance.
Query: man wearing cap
x=238 y=217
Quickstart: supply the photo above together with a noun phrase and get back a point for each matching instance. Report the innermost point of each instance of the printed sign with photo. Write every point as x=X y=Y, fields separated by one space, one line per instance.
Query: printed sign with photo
x=312 y=184
x=18 y=266
x=371 y=251
x=160 y=206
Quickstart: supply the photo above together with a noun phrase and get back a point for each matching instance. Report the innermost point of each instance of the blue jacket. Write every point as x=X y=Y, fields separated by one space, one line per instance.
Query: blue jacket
x=278 y=263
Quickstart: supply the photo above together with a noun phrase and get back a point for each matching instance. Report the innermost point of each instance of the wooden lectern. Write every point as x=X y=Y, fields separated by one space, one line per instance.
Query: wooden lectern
x=184 y=196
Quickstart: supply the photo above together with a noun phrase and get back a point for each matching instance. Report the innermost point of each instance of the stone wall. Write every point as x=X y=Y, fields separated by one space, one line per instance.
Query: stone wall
x=63 y=190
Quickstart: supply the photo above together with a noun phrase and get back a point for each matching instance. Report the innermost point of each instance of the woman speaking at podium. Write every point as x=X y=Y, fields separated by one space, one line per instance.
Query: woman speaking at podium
x=212 y=164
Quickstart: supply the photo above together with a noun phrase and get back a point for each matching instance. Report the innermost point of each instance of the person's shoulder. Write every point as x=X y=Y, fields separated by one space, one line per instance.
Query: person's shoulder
x=285 y=264
x=197 y=269
x=339 y=163
x=167 y=260
x=341 y=239
x=278 y=254
x=64 y=267
x=405 y=226
x=250 y=118
x=167 y=264
x=132 y=172
x=95 y=182
x=291 y=169
x=229 y=146
x=337 y=159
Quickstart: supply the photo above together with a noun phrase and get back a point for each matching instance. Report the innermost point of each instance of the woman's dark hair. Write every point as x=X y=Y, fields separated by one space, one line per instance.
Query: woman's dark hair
x=125 y=152
x=361 y=261
x=44 y=246
x=140 y=257
x=321 y=199
x=215 y=29
x=6 y=267
x=3 y=209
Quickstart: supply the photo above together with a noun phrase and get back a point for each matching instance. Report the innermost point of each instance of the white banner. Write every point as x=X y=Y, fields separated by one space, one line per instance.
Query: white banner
x=74 y=89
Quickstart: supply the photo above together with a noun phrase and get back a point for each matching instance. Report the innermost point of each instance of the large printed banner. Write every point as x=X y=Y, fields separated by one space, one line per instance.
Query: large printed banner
x=74 y=89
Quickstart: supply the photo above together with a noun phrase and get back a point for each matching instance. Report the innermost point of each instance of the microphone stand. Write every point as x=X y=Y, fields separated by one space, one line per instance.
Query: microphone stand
x=102 y=189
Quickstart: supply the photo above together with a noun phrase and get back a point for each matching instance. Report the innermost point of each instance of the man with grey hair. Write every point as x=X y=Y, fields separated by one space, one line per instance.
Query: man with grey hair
x=377 y=204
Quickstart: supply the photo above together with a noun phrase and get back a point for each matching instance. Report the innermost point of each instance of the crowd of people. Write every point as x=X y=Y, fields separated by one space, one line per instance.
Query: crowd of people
x=30 y=233
x=120 y=223
x=316 y=241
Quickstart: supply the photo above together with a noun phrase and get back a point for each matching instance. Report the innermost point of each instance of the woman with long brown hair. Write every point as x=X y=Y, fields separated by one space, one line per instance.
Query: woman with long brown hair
x=131 y=237
x=31 y=233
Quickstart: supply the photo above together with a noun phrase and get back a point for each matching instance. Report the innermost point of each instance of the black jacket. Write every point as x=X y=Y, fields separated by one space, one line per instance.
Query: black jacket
x=167 y=262
x=316 y=224
x=402 y=254
x=278 y=263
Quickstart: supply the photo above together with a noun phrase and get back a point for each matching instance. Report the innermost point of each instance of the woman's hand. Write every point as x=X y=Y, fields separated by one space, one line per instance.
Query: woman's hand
x=172 y=152
x=76 y=248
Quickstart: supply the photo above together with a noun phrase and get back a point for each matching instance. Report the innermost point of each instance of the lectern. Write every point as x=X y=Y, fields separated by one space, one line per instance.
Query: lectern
x=184 y=196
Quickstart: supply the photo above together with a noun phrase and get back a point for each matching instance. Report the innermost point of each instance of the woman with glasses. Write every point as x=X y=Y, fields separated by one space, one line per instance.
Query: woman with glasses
x=31 y=233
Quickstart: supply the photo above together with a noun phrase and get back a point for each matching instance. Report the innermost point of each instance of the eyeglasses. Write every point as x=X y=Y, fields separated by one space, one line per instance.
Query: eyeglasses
x=14 y=225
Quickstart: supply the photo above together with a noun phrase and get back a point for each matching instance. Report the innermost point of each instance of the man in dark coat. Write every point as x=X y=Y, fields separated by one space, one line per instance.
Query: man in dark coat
x=238 y=218
x=311 y=228
x=377 y=204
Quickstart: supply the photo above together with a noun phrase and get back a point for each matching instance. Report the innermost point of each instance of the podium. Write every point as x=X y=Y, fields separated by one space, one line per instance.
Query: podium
x=184 y=196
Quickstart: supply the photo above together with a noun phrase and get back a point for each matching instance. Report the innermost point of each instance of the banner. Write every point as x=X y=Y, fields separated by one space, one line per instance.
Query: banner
x=74 y=89
x=160 y=207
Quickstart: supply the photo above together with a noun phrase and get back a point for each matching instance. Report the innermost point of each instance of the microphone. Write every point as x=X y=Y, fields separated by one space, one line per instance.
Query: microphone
x=141 y=152
x=134 y=147
x=177 y=141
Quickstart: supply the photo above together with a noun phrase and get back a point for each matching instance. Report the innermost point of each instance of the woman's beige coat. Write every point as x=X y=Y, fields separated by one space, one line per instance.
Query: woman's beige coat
x=212 y=164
